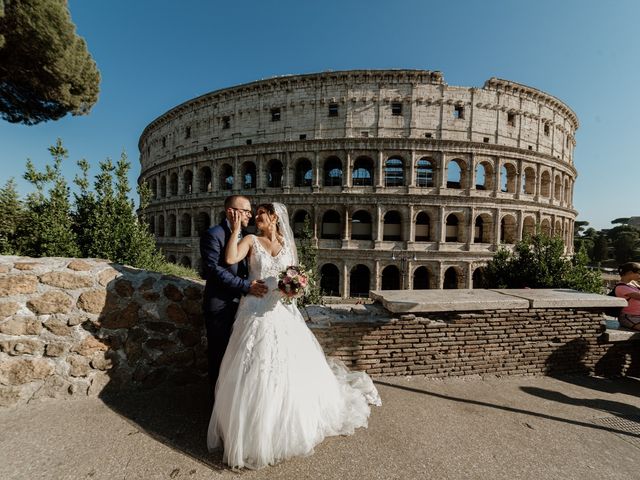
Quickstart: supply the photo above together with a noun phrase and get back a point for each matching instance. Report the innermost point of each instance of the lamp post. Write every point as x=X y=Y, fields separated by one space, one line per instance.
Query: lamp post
x=404 y=256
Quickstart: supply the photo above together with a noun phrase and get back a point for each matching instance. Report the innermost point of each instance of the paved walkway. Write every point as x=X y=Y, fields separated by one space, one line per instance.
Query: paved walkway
x=471 y=428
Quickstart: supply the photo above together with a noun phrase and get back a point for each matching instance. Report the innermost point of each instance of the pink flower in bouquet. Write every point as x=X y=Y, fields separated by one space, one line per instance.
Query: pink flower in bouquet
x=292 y=282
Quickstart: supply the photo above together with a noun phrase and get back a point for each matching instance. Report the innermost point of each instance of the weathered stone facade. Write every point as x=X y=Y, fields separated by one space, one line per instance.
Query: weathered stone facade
x=409 y=182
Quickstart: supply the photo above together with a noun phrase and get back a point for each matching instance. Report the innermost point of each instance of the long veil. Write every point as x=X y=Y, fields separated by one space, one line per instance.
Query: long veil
x=285 y=230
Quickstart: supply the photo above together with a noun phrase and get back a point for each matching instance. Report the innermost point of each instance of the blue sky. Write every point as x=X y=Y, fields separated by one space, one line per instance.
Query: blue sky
x=154 y=55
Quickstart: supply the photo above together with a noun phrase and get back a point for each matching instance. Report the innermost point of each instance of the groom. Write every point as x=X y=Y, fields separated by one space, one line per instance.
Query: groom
x=225 y=283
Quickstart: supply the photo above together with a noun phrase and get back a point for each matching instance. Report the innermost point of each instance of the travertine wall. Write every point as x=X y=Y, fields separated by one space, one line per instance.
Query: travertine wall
x=72 y=327
x=380 y=161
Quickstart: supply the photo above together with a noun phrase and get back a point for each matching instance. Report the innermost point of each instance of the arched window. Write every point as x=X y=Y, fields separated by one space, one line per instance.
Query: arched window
x=185 y=262
x=187 y=180
x=454 y=174
x=298 y=223
x=304 y=173
x=205 y=179
x=392 y=229
x=557 y=184
x=330 y=280
x=394 y=172
x=362 y=172
x=423 y=228
x=450 y=279
x=481 y=177
x=545 y=184
x=173 y=184
x=152 y=224
x=478 y=230
x=528 y=226
x=248 y=175
x=508 y=178
x=161 y=226
x=390 y=278
x=172 y=225
x=424 y=172
x=171 y=259
x=451 y=234
x=529 y=184
x=226 y=178
x=508 y=229
x=483 y=228
x=163 y=186
x=567 y=196
x=185 y=225
x=154 y=188
x=331 y=224
x=361 y=225
x=203 y=222
x=359 y=281
x=421 y=278
x=274 y=174
x=332 y=172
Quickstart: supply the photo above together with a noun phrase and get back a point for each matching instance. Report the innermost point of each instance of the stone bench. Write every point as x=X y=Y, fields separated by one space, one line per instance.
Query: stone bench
x=614 y=333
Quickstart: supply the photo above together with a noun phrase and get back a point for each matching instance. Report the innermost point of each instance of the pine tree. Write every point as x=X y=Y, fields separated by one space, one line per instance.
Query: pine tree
x=10 y=217
x=46 y=227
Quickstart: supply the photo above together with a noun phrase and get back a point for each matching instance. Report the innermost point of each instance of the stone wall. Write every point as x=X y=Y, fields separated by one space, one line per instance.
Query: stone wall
x=72 y=327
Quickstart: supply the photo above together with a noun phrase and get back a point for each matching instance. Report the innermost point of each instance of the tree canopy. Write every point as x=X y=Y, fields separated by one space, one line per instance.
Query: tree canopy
x=46 y=70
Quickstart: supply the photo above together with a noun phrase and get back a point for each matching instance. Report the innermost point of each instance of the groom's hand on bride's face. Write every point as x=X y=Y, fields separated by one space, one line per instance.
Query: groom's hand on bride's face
x=258 y=288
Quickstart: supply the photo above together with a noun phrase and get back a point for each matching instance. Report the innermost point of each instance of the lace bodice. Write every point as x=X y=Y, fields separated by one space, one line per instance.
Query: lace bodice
x=262 y=265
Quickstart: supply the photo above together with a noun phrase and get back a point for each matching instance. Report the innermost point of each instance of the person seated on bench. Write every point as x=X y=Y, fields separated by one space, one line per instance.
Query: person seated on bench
x=628 y=289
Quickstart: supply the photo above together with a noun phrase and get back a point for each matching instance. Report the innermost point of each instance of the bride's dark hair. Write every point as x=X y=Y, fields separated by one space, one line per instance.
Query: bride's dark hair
x=271 y=210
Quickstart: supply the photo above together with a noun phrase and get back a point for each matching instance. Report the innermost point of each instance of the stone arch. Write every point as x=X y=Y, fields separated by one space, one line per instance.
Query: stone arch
x=332 y=172
x=363 y=175
x=298 y=222
x=206 y=179
x=304 y=173
x=331 y=225
x=359 y=281
x=566 y=196
x=557 y=231
x=545 y=184
x=152 y=224
x=390 y=279
x=557 y=188
x=528 y=226
x=203 y=222
x=421 y=278
x=452 y=278
x=529 y=183
x=361 y=225
x=456 y=173
x=163 y=186
x=171 y=258
x=423 y=227
x=478 y=278
x=185 y=261
x=185 y=225
x=173 y=184
x=425 y=172
x=394 y=172
x=330 y=280
x=508 y=175
x=226 y=177
x=452 y=233
x=545 y=227
x=161 y=226
x=392 y=228
x=508 y=227
x=154 y=188
x=274 y=173
x=187 y=181
x=172 y=225
x=483 y=229
x=249 y=175
x=484 y=176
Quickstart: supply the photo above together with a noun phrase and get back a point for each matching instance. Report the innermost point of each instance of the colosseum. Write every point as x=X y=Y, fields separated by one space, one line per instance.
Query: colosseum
x=408 y=182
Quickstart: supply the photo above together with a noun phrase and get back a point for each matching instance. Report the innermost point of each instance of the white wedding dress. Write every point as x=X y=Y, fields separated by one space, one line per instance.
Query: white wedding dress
x=277 y=395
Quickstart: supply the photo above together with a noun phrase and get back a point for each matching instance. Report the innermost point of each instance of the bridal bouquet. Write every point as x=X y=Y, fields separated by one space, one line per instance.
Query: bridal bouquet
x=292 y=283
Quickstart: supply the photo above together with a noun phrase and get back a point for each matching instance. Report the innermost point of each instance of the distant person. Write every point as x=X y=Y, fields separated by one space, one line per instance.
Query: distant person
x=628 y=289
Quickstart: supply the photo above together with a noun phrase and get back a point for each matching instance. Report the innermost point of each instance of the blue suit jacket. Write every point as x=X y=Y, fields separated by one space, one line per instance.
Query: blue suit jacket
x=225 y=282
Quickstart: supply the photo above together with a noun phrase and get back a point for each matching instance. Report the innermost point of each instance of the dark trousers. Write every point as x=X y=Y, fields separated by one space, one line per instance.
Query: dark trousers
x=218 y=325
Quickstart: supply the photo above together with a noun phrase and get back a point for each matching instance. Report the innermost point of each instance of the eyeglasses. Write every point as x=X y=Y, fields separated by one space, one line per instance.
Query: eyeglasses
x=246 y=212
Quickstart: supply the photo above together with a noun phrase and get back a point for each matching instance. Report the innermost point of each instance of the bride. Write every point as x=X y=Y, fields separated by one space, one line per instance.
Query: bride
x=277 y=395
